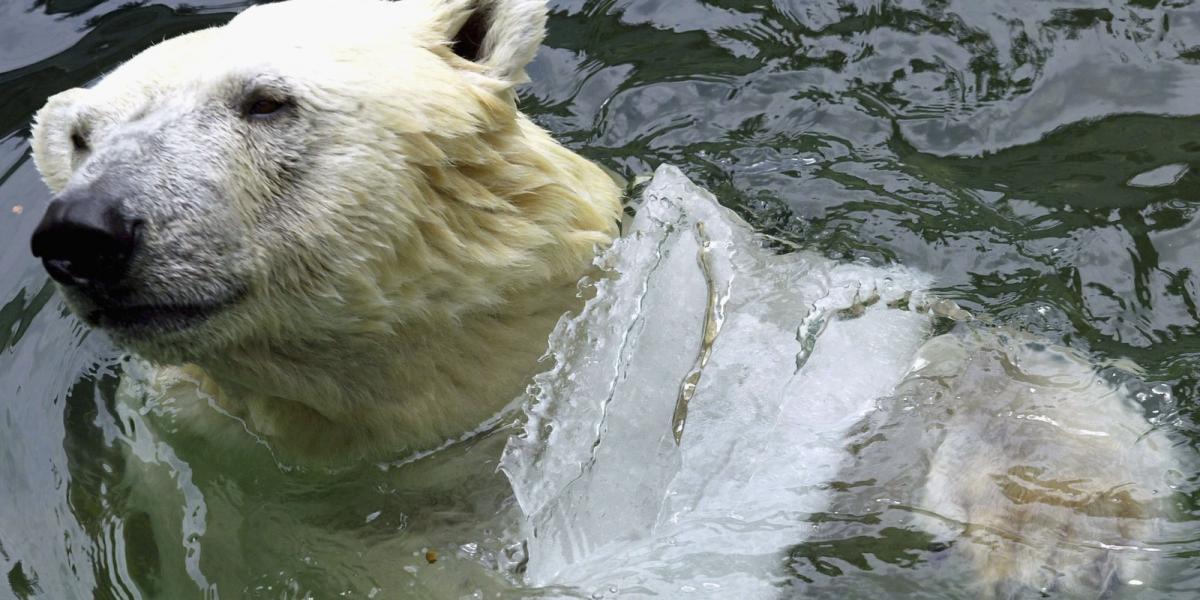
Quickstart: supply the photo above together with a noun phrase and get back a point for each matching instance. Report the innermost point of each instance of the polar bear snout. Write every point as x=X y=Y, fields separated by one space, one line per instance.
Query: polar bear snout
x=138 y=265
x=86 y=239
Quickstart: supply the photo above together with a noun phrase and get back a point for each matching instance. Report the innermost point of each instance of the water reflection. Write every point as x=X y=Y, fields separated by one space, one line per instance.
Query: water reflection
x=66 y=7
x=111 y=37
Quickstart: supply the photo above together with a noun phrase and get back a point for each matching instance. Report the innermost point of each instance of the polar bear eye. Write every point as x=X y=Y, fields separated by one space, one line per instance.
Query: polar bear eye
x=264 y=107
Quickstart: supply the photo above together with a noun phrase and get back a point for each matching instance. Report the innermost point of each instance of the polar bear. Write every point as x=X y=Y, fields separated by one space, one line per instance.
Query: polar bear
x=329 y=214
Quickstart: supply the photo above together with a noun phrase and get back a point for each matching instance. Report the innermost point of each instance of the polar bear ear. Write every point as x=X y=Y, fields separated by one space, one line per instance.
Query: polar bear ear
x=52 y=139
x=500 y=35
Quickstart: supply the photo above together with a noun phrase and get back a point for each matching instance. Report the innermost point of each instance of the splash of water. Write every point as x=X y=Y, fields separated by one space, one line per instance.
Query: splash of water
x=700 y=321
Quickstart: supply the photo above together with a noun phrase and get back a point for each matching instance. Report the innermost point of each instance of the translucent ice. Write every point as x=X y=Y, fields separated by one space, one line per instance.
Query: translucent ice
x=698 y=405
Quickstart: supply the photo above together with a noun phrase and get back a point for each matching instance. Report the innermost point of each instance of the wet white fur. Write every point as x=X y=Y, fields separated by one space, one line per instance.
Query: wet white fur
x=401 y=290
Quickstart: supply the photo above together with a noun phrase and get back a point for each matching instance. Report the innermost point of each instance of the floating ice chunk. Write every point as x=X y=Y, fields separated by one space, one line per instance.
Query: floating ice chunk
x=699 y=403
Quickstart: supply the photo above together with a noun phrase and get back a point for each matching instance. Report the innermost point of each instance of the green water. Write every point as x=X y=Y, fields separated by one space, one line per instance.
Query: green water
x=992 y=144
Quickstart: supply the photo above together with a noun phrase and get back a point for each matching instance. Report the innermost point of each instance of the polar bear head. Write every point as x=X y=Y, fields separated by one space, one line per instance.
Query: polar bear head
x=314 y=170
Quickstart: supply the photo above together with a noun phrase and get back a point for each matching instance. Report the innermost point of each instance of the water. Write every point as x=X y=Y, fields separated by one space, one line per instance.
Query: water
x=1038 y=158
x=731 y=432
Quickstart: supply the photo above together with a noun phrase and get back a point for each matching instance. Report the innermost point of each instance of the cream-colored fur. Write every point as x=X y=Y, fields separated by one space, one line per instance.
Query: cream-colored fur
x=405 y=238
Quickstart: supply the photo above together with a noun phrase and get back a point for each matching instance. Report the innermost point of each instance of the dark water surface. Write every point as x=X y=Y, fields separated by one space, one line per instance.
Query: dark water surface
x=1040 y=158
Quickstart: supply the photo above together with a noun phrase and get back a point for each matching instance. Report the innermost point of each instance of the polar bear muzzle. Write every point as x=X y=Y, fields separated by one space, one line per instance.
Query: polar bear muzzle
x=130 y=256
x=86 y=239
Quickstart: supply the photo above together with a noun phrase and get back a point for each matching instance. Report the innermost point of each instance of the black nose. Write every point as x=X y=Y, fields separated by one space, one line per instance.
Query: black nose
x=85 y=239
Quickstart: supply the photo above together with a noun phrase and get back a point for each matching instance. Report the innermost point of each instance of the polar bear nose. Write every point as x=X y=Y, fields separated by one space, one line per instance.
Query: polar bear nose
x=85 y=239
